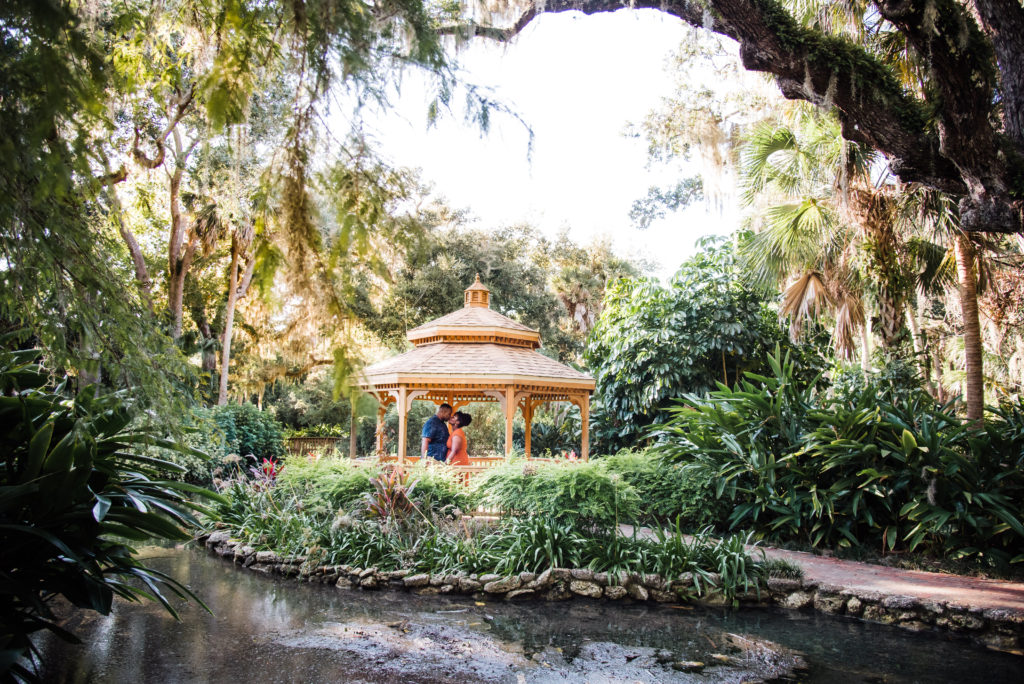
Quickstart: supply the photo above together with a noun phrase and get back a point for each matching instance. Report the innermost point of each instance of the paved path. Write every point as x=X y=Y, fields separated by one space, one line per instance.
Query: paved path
x=968 y=592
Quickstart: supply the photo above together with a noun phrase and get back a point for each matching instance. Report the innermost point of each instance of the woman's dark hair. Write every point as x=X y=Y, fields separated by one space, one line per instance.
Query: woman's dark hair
x=464 y=418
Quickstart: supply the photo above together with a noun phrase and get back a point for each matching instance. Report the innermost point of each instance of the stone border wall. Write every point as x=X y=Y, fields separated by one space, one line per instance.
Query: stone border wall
x=998 y=629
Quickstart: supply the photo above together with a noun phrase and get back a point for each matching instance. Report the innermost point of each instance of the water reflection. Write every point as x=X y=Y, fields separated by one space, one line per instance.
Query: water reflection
x=272 y=630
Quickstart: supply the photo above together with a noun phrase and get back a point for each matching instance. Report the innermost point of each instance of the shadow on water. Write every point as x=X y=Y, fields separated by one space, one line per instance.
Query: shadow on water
x=271 y=630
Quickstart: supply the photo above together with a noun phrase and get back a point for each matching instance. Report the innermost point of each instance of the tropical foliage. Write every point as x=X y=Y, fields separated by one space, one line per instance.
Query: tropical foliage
x=75 y=496
x=868 y=466
x=655 y=343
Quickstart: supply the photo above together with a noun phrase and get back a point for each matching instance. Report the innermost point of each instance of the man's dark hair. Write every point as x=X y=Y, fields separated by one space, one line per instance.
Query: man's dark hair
x=444 y=406
x=464 y=418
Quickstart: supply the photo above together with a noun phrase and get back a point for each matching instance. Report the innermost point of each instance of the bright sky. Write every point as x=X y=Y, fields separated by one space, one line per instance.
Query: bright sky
x=577 y=81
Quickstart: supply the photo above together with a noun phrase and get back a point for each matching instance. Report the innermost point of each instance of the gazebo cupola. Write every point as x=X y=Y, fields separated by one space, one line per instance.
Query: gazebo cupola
x=476 y=354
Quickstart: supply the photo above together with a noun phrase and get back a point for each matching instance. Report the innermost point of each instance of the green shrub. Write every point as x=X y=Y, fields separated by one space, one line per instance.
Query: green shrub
x=72 y=493
x=249 y=432
x=534 y=544
x=329 y=484
x=669 y=491
x=438 y=491
x=856 y=468
x=581 y=493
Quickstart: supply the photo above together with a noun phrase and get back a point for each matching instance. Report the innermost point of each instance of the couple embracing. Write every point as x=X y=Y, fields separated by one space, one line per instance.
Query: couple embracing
x=443 y=437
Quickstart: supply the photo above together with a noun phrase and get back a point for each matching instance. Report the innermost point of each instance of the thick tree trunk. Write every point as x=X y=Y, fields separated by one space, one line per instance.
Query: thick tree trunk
x=975 y=385
x=229 y=324
x=236 y=291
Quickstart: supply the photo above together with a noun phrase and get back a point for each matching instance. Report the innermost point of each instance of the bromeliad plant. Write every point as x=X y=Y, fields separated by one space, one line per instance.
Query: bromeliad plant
x=74 y=495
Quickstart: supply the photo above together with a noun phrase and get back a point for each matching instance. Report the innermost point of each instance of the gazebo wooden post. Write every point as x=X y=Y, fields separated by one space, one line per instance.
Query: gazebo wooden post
x=403 y=423
x=510 y=414
x=528 y=420
x=585 y=427
x=382 y=410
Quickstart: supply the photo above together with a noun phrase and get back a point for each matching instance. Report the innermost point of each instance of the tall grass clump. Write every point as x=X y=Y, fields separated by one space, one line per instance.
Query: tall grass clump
x=585 y=494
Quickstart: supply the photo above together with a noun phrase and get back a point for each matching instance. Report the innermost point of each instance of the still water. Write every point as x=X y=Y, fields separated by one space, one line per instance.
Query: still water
x=265 y=629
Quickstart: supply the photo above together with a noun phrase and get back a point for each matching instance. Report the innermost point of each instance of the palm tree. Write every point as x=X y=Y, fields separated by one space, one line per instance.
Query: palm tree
x=826 y=230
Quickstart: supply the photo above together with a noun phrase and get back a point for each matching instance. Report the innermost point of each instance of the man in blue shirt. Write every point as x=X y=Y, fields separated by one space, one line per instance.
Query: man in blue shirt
x=435 y=434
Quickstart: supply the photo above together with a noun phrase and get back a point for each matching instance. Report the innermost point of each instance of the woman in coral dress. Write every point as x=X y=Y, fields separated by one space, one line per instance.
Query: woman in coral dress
x=457 y=443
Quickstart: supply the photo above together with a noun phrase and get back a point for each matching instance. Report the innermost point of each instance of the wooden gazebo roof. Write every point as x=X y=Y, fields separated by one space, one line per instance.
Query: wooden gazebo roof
x=477 y=354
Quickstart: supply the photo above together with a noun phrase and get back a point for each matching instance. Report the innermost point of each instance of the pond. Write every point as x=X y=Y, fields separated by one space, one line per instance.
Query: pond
x=267 y=629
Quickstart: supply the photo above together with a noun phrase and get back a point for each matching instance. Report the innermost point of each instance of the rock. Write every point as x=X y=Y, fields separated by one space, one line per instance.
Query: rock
x=368 y=582
x=201 y=538
x=429 y=591
x=662 y=596
x=347 y=569
x=217 y=538
x=601 y=578
x=225 y=550
x=367 y=572
x=783 y=585
x=664 y=656
x=267 y=557
x=490 y=577
x=798 y=600
x=933 y=607
x=469 y=585
x=561 y=574
x=716 y=600
x=688 y=666
x=967 y=621
x=437 y=580
x=355 y=572
x=828 y=603
x=543 y=581
x=343 y=583
x=638 y=592
x=558 y=592
x=420 y=580
x=877 y=613
x=585 y=588
x=520 y=593
x=243 y=553
x=615 y=592
x=582 y=574
x=502 y=586
x=685 y=579
x=899 y=602
x=398 y=574
x=447 y=588
x=527 y=577
x=854 y=606
x=654 y=582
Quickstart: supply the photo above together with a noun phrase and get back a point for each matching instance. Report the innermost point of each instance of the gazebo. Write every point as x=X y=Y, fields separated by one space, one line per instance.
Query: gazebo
x=475 y=354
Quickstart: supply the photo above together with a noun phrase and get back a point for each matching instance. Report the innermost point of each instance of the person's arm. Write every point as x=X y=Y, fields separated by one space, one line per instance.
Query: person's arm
x=456 y=445
x=426 y=440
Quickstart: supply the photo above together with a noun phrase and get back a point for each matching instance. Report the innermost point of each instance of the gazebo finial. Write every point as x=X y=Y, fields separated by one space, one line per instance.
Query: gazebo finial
x=477 y=294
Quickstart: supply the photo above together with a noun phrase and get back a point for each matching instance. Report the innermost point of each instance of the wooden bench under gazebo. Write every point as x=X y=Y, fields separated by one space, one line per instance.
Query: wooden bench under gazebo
x=475 y=354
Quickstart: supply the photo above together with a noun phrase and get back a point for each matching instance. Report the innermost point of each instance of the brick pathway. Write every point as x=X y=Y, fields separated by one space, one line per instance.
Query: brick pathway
x=968 y=592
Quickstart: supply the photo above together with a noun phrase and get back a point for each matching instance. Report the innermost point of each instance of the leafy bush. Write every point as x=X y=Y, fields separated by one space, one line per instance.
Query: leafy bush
x=329 y=484
x=71 y=487
x=669 y=491
x=249 y=432
x=857 y=468
x=653 y=343
x=438 y=491
x=583 y=493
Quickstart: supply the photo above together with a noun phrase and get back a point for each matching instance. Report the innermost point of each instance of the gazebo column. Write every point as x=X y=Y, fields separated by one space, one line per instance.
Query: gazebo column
x=585 y=427
x=382 y=410
x=403 y=423
x=528 y=420
x=510 y=414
